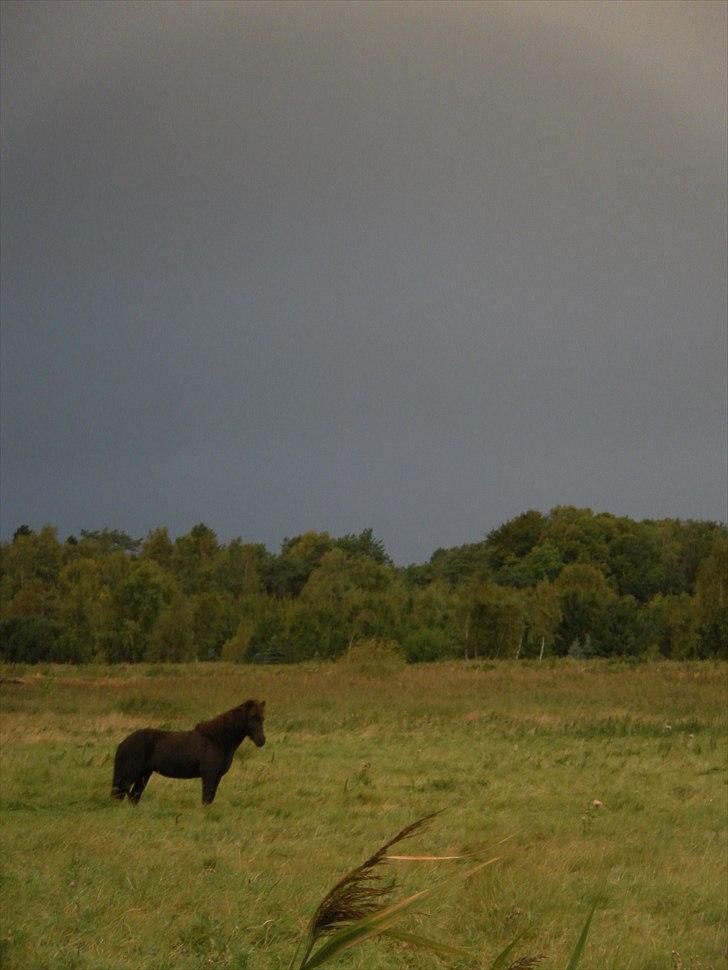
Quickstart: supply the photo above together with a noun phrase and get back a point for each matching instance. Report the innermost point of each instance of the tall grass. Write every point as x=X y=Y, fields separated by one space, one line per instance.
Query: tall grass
x=90 y=885
x=359 y=907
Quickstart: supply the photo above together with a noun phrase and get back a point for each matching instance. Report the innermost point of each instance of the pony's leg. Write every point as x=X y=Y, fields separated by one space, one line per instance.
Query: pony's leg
x=138 y=787
x=209 y=787
x=119 y=793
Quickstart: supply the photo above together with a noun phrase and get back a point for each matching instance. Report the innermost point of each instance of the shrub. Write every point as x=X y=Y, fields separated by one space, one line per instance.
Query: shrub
x=236 y=648
x=30 y=639
x=423 y=644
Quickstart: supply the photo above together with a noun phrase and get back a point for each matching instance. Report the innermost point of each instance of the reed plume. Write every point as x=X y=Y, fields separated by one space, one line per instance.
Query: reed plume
x=361 y=891
x=359 y=908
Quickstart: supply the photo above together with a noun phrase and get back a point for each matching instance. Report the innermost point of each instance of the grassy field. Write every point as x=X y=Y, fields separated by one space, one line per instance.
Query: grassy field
x=352 y=757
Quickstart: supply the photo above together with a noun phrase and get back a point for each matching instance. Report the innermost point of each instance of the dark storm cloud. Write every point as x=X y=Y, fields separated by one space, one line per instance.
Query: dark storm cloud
x=415 y=266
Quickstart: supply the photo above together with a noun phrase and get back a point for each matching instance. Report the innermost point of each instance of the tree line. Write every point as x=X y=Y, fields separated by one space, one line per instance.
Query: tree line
x=568 y=582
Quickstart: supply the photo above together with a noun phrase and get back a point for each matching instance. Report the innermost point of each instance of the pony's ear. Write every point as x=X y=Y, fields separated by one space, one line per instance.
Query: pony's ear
x=262 y=704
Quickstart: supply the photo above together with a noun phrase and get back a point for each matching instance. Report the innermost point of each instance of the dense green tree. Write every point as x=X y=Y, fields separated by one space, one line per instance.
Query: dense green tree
x=418 y=575
x=33 y=598
x=516 y=538
x=30 y=639
x=171 y=639
x=584 y=595
x=300 y=556
x=568 y=580
x=316 y=628
x=136 y=605
x=193 y=559
x=461 y=564
x=671 y=626
x=429 y=628
x=364 y=544
x=285 y=576
x=543 y=617
x=213 y=621
x=543 y=561
x=125 y=641
x=31 y=556
x=633 y=559
x=101 y=542
x=158 y=547
x=496 y=621
x=698 y=543
x=581 y=536
x=711 y=601
x=354 y=590
x=620 y=628
x=84 y=602
x=261 y=617
x=240 y=568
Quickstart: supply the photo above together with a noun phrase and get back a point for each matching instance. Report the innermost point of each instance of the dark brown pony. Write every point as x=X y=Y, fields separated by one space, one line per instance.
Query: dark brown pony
x=205 y=752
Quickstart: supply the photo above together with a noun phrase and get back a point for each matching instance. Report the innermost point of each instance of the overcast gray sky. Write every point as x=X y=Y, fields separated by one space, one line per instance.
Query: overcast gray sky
x=414 y=266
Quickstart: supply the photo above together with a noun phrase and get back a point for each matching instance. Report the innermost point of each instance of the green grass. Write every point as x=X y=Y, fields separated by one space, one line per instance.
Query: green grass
x=351 y=759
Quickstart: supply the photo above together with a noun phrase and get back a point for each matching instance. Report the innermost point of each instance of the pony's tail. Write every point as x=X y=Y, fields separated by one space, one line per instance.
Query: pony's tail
x=118 y=789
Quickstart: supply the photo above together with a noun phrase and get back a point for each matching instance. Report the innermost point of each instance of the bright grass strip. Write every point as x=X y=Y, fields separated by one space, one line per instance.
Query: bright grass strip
x=576 y=955
x=434 y=946
x=500 y=961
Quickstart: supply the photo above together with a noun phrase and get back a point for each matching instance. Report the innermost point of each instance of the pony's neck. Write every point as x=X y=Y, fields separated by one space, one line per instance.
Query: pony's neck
x=226 y=730
x=238 y=735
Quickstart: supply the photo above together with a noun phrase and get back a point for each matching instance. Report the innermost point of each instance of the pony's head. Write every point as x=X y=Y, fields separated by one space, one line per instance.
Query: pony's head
x=255 y=713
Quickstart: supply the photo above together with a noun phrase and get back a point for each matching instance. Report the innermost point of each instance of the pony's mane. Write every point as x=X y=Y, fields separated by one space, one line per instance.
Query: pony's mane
x=228 y=727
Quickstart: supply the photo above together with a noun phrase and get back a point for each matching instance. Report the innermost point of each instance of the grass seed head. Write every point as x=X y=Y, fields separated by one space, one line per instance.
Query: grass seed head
x=361 y=892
